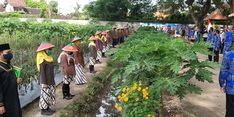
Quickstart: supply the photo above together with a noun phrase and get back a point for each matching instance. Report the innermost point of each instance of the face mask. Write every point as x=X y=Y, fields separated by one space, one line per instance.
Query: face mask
x=49 y=52
x=8 y=56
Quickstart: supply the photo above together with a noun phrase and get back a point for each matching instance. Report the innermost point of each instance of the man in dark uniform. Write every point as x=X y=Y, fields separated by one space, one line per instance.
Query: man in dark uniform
x=9 y=98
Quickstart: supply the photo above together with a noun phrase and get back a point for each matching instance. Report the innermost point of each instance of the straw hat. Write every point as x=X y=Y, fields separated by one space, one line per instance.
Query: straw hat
x=70 y=48
x=44 y=46
x=77 y=39
x=98 y=32
x=92 y=38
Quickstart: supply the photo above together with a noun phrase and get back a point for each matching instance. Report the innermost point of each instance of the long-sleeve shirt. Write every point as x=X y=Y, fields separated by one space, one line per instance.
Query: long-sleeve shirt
x=9 y=97
x=217 y=42
x=226 y=75
x=67 y=65
x=47 y=73
x=210 y=38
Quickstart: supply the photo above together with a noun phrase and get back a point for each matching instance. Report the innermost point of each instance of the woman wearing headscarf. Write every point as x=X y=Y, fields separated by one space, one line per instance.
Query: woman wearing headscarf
x=80 y=77
x=45 y=67
x=67 y=61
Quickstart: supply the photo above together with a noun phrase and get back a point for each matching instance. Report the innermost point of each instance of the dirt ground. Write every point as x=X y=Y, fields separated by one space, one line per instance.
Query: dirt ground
x=33 y=110
x=211 y=103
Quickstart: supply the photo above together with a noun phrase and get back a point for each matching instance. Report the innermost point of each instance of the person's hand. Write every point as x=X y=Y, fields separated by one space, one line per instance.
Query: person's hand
x=2 y=110
x=19 y=80
x=222 y=89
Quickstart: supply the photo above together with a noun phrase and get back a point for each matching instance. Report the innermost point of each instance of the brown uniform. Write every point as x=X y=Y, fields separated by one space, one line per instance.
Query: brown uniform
x=79 y=57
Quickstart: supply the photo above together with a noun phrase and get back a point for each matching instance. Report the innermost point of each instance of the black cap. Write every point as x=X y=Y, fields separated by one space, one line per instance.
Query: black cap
x=4 y=47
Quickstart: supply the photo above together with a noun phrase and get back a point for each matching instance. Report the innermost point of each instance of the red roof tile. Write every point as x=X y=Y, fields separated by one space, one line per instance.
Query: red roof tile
x=17 y=3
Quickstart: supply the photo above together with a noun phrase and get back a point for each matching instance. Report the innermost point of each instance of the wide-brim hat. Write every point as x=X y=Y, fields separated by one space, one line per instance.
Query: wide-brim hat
x=70 y=48
x=44 y=46
x=77 y=39
x=92 y=38
x=104 y=33
x=98 y=32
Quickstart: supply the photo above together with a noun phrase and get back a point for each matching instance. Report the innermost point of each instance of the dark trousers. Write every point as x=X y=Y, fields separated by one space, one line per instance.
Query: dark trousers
x=229 y=105
x=221 y=48
x=216 y=56
x=66 y=90
x=210 y=56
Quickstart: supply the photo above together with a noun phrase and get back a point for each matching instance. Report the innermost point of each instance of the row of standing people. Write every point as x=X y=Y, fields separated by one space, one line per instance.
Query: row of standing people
x=72 y=64
x=220 y=41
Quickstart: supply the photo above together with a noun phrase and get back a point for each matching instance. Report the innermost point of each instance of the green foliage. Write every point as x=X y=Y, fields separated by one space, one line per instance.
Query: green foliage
x=89 y=102
x=25 y=37
x=121 y=10
x=162 y=63
x=107 y=9
x=34 y=4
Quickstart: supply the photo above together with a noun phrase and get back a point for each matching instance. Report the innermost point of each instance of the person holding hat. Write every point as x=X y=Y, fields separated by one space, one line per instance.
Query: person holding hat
x=9 y=97
x=67 y=61
x=92 y=54
x=226 y=81
x=45 y=67
x=80 y=77
x=99 y=46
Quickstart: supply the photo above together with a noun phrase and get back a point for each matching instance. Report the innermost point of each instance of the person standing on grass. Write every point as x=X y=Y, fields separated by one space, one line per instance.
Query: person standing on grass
x=226 y=81
x=80 y=77
x=92 y=54
x=217 y=43
x=99 y=46
x=45 y=66
x=9 y=97
x=210 y=40
x=228 y=41
x=67 y=62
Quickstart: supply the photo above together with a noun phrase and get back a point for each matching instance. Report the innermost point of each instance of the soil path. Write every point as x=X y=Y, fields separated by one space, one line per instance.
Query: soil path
x=211 y=103
x=33 y=110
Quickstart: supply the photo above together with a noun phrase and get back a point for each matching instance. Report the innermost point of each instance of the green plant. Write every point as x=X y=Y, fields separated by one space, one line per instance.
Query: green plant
x=162 y=63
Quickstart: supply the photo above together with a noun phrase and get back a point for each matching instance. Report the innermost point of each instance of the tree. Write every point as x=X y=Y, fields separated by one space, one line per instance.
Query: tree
x=141 y=10
x=198 y=10
x=52 y=8
x=34 y=4
x=108 y=9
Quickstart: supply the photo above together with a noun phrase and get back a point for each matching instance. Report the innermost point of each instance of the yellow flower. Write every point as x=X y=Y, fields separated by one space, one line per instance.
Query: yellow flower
x=124 y=89
x=120 y=108
x=148 y=115
x=127 y=89
x=139 y=89
x=126 y=99
x=140 y=84
x=146 y=88
x=116 y=105
x=119 y=97
x=146 y=98
x=153 y=116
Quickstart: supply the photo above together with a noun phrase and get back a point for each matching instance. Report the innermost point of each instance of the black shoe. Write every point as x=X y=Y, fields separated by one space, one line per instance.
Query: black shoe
x=67 y=97
x=50 y=110
x=72 y=95
x=46 y=112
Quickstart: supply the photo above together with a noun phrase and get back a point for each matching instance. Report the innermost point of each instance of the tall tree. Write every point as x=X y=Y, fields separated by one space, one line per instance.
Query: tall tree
x=198 y=10
x=141 y=9
x=107 y=9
